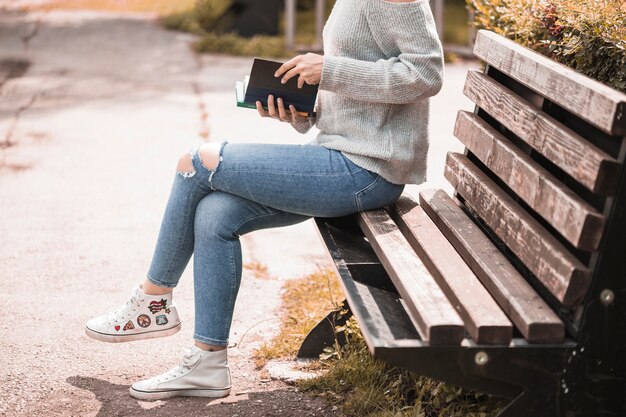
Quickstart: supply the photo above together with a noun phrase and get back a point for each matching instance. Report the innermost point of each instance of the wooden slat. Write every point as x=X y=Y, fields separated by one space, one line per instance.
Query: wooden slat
x=589 y=165
x=561 y=273
x=380 y=314
x=526 y=309
x=575 y=219
x=484 y=320
x=591 y=100
x=351 y=246
x=436 y=318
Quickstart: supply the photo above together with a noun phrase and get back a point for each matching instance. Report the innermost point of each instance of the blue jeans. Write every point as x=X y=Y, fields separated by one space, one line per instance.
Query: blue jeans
x=254 y=186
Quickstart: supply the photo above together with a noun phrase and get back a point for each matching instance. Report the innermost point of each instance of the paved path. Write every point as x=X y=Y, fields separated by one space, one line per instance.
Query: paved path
x=94 y=112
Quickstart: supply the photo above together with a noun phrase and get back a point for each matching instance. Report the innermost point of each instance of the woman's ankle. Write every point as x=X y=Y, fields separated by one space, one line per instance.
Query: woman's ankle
x=207 y=347
x=149 y=288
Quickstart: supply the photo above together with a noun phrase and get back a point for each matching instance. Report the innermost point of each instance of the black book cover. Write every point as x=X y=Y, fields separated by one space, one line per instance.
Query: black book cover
x=262 y=83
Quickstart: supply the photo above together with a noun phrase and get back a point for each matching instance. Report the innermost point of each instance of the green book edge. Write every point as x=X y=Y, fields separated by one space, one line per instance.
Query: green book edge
x=240 y=95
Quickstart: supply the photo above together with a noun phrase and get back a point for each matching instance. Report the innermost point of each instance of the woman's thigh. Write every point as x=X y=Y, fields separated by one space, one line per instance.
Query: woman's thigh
x=305 y=179
x=228 y=216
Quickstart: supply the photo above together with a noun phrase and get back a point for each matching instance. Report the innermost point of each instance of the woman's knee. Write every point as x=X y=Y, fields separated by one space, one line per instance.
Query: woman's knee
x=185 y=165
x=217 y=216
x=210 y=154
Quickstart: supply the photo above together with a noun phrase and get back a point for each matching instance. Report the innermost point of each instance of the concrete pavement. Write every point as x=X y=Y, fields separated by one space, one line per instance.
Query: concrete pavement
x=95 y=110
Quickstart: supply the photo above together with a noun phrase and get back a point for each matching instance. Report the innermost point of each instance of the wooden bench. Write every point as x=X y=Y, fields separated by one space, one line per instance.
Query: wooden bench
x=516 y=285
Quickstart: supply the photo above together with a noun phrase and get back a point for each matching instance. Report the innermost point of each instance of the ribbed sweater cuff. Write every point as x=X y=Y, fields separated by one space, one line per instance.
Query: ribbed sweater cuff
x=330 y=72
x=303 y=126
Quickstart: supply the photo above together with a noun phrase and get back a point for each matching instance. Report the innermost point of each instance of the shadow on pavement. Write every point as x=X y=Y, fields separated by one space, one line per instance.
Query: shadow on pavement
x=12 y=68
x=289 y=402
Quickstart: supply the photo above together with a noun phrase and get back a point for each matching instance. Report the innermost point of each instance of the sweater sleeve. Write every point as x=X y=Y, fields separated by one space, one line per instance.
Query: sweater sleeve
x=405 y=32
x=305 y=125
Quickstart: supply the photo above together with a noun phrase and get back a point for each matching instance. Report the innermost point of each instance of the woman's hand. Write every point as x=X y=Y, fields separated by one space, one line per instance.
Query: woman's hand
x=308 y=67
x=278 y=111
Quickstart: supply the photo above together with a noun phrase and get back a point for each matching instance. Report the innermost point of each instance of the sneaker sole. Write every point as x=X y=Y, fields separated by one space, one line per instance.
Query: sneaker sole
x=103 y=337
x=162 y=395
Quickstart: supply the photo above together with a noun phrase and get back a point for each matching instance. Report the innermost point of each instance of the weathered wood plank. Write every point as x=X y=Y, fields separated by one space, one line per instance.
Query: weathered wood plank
x=436 y=319
x=589 y=165
x=526 y=309
x=484 y=320
x=575 y=219
x=591 y=100
x=559 y=271
x=380 y=314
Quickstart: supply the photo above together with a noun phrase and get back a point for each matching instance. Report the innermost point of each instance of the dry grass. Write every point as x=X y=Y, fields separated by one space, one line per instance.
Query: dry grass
x=158 y=7
x=356 y=382
x=258 y=270
x=306 y=301
x=365 y=387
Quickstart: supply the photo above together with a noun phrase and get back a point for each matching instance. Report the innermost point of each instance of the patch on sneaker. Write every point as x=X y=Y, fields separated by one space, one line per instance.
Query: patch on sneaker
x=156 y=306
x=129 y=326
x=143 y=321
x=161 y=320
x=117 y=328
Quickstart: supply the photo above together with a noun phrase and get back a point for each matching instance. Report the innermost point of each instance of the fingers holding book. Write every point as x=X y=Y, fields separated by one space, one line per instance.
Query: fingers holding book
x=277 y=111
x=307 y=67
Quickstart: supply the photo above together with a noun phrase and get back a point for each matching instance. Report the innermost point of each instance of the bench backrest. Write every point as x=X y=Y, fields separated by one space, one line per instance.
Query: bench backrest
x=543 y=164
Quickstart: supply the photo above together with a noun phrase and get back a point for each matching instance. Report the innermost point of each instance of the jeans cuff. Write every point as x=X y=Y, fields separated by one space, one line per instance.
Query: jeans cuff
x=209 y=341
x=160 y=283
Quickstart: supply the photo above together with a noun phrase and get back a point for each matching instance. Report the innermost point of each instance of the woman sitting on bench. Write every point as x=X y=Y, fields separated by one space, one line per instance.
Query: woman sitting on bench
x=382 y=61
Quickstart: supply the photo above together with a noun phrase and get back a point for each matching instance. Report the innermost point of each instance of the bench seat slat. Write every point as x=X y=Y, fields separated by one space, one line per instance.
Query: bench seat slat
x=575 y=219
x=531 y=315
x=381 y=316
x=484 y=320
x=587 y=164
x=591 y=100
x=354 y=250
x=436 y=319
x=559 y=271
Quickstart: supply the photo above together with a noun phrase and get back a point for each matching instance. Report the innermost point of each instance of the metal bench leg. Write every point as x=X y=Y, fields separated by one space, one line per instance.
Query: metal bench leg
x=323 y=335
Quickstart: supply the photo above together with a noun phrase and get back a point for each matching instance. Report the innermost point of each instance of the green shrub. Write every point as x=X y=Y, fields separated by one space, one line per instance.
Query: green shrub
x=183 y=21
x=206 y=16
x=229 y=43
x=586 y=35
x=211 y=14
x=209 y=19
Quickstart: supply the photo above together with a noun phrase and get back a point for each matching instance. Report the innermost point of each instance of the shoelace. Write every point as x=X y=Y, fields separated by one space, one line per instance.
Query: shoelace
x=189 y=359
x=123 y=312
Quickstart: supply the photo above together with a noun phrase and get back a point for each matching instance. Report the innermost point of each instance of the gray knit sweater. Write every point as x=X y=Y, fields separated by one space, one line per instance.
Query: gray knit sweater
x=382 y=61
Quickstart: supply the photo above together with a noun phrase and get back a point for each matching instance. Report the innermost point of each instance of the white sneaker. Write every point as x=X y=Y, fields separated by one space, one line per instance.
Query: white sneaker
x=142 y=317
x=199 y=374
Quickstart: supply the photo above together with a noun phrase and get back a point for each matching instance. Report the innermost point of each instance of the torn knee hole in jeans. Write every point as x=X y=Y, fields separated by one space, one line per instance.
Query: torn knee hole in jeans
x=185 y=166
x=210 y=157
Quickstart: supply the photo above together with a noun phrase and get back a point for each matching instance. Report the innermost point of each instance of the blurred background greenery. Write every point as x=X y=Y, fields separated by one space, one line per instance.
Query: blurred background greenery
x=206 y=18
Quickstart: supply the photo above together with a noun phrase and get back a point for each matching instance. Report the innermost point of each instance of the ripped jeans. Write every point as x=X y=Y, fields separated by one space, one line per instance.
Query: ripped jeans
x=254 y=186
